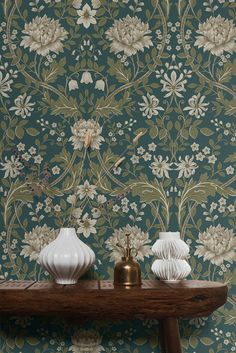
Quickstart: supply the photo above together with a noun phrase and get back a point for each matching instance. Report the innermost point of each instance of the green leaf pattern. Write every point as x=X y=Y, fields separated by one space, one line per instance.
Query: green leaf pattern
x=118 y=115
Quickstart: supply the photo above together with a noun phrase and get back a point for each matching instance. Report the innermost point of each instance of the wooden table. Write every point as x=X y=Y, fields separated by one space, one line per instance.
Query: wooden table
x=100 y=300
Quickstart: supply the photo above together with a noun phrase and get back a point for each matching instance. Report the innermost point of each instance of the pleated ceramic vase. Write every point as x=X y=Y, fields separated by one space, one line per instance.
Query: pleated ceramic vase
x=171 y=253
x=66 y=258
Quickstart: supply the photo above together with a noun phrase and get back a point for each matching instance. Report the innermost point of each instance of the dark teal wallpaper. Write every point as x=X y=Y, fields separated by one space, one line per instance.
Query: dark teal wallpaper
x=154 y=84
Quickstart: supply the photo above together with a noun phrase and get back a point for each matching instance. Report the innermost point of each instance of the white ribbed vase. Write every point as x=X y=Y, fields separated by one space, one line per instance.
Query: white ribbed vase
x=171 y=252
x=66 y=258
x=171 y=270
x=170 y=246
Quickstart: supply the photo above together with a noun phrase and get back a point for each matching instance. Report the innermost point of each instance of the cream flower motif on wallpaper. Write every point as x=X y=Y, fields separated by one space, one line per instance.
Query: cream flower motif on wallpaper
x=5 y=84
x=160 y=167
x=43 y=35
x=217 y=244
x=72 y=85
x=173 y=85
x=186 y=167
x=150 y=106
x=139 y=240
x=77 y=212
x=23 y=106
x=86 y=341
x=197 y=107
x=129 y=35
x=96 y=4
x=86 y=16
x=36 y=240
x=86 y=226
x=11 y=167
x=86 y=78
x=86 y=190
x=82 y=129
x=217 y=35
x=77 y=4
x=100 y=85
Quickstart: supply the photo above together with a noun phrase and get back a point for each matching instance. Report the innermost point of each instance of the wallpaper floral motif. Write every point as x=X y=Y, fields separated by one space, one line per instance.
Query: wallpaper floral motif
x=118 y=115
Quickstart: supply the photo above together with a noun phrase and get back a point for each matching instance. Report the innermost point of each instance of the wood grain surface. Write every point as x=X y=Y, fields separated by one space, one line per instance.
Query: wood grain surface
x=100 y=300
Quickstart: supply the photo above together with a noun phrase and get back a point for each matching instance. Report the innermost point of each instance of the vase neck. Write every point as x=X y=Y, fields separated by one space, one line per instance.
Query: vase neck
x=67 y=232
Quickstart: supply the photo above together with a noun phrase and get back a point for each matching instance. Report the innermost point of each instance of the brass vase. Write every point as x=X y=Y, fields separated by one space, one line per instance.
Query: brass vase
x=127 y=272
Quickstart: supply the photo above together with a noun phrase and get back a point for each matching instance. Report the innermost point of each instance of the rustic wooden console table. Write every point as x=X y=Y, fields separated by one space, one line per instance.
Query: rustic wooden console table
x=100 y=300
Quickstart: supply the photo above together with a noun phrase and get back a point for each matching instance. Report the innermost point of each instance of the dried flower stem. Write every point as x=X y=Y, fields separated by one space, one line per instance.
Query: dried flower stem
x=119 y=162
x=137 y=137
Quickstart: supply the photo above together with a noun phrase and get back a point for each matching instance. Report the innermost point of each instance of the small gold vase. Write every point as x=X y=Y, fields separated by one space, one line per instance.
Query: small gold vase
x=127 y=272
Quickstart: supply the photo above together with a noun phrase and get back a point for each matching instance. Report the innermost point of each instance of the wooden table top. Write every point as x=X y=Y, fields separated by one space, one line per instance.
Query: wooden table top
x=95 y=299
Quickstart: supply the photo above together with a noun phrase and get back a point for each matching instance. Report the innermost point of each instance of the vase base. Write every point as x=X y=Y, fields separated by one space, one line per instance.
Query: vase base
x=70 y=281
x=171 y=280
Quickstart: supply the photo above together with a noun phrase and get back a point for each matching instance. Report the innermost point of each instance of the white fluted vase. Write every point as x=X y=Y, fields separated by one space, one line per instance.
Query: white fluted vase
x=171 y=253
x=66 y=258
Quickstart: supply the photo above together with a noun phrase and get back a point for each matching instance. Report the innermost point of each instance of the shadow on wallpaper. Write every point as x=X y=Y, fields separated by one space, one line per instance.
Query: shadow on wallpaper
x=154 y=84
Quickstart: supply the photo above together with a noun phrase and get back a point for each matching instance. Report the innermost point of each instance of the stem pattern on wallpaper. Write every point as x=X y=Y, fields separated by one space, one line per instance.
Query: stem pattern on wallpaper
x=118 y=116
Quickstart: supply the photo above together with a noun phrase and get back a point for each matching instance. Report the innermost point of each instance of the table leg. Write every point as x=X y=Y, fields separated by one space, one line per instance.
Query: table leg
x=169 y=336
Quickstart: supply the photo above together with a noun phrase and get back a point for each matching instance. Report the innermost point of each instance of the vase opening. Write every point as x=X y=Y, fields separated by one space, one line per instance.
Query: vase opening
x=67 y=228
x=67 y=232
x=169 y=235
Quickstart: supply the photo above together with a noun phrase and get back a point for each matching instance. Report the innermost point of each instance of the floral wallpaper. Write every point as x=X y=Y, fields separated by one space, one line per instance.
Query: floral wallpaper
x=118 y=115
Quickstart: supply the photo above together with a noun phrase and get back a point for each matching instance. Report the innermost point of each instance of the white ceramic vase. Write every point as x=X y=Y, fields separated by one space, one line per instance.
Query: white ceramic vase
x=171 y=253
x=66 y=258
x=171 y=270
